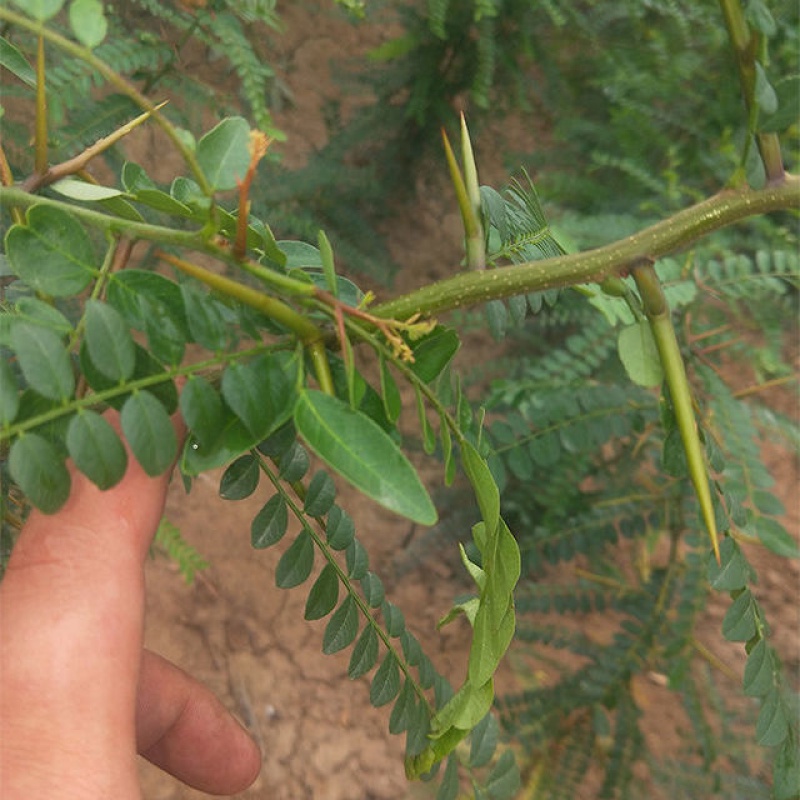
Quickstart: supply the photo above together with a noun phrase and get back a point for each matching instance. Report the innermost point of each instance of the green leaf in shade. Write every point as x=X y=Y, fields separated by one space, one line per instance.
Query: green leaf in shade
x=40 y=10
x=201 y=408
x=300 y=254
x=269 y=525
x=31 y=309
x=240 y=479
x=9 y=394
x=448 y=788
x=294 y=463
x=739 y=624
x=12 y=59
x=392 y=618
x=109 y=341
x=403 y=709
x=386 y=682
x=324 y=594
x=261 y=392
x=44 y=361
x=759 y=671
x=339 y=529
x=357 y=560
x=52 y=252
x=206 y=322
x=365 y=653
x=639 y=355
x=40 y=472
x=372 y=586
x=772 y=726
x=483 y=742
x=320 y=495
x=503 y=781
x=149 y=432
x=786 y=771
x=496 y=319
x=224 y=153
x=359 y=450
x=96 y=449
x=733 y=572
x=296 y=563
x=341 y=628
x=88 y=22
x=776 y=538
x=432 y=353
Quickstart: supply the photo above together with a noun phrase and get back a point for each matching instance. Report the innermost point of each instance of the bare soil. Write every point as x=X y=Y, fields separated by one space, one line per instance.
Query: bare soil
x=245 y=638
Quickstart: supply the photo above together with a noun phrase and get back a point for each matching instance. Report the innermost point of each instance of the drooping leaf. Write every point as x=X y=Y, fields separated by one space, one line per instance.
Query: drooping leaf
x=320 y=495
x=96 y=449
x=772 y=726
x=365 y=653
x=44 y=361
x=296 y=563
x=109 y=341
x=386 y=682
x=269 y=525
x=149 y=432
x=240 y=479
x=392 y=403
x=39 y=470
x=733 y=572
x=224 y=153
x=341 y=628
x=324 y=594
x=51 y=252
x=359 y=450
x=776 y=538
x=786 y=771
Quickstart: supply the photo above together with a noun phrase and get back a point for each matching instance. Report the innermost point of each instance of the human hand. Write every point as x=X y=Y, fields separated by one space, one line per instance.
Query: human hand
x=79 y=696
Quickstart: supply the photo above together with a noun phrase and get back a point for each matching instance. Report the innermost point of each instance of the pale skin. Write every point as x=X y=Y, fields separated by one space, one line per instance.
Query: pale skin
x=79 y=695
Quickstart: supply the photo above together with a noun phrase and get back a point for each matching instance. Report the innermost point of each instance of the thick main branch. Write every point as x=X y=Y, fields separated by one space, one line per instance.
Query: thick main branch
x=657 y=241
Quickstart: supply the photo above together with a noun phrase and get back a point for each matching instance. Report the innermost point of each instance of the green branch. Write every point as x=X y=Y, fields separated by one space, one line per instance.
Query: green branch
x=652 y=243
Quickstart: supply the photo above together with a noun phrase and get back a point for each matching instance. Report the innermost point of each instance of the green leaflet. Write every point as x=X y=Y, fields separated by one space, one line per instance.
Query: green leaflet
x=269 y=525
x=240 y=479
x=296 y=563
x=324 y=594
x=224 y=153
x=320 y=495
x=201 y=407
x=96 y=449
x=365 y=653
x=40 y=10
x=52 y=252
x=16 y=63
x=39 y=470
x=385 y=682
x=44 y=361
x=149 y=432
x=88 y=22
x=109 y=341
x=342 y=628
x=639 y=355
x=359 y=450
x=9 y=394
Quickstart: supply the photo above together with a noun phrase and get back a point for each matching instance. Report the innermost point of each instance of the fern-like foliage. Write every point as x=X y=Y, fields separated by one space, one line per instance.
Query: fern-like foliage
x=189 y=561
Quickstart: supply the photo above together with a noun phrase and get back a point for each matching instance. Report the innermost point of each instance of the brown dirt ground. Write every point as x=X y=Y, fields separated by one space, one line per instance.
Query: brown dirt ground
x=245 y=638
